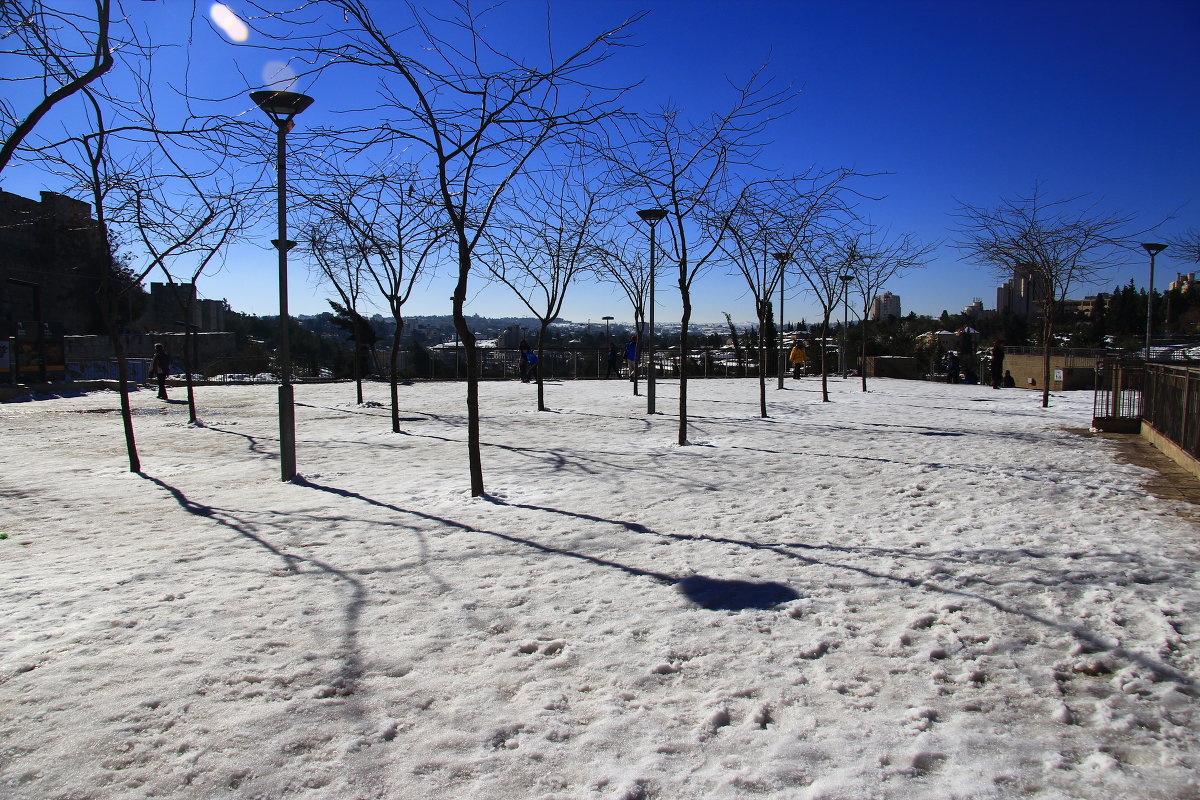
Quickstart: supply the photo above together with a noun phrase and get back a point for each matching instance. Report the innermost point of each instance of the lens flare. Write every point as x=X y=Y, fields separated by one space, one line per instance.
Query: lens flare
x=229 y=22
x=279 y=76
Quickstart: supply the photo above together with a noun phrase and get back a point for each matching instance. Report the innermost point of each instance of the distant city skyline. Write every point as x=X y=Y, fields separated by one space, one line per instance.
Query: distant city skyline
x=958 y=103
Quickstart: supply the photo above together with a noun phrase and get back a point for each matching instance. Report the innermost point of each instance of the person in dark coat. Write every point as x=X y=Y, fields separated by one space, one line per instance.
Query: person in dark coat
x=160 y=367
x=613 y=368
x=526 y=360
x=952 y=367
x=997 y=363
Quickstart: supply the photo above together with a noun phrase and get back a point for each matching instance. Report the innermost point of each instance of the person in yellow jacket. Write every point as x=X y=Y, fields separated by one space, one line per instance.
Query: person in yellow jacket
x=798 y=358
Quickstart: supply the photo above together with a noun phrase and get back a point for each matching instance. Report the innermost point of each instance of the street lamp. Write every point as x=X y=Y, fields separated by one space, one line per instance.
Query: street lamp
x=651 y=216
x=1153 y=248
x=606 y=333
x=845 y=279
x=282 y=108
x=782 y=258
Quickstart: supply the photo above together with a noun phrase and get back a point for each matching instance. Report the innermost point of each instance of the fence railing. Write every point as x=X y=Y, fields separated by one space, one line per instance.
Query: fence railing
x=450 y=364
x=1171 y=403
x=1117 y=404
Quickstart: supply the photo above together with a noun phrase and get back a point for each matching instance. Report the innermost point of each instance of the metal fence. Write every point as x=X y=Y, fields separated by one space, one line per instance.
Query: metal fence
x=1117 y=405
x=1172 y=403
x=449 y=363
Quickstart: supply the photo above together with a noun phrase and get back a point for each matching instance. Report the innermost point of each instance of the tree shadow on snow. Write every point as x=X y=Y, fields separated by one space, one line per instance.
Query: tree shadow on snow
x=350 y=671
x=717 y=594
x=710 y=593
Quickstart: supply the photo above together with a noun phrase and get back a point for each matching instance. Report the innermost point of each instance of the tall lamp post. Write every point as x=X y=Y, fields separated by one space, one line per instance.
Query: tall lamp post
x=607 y=320
x=651 y=216
x=1153 y=248
x=782 y=258
x=282 y=108
x=845 y=279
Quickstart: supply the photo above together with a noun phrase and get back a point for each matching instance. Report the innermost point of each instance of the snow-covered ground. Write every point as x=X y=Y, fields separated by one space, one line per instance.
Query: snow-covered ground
x=925 y=591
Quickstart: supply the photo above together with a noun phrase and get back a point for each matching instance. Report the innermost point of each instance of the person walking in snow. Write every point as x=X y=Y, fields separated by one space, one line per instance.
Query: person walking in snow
x=160 y=367
x=798 y=358
x=997 y=363
x=631 y=356
x=952 y=367
x=613 y=368
x=527 y=362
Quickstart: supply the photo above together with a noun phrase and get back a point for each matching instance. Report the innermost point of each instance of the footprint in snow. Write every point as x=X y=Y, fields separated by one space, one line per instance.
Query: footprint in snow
x=550 y=648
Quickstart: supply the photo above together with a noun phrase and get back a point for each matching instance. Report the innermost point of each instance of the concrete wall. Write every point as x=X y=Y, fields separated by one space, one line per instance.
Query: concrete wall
x=1077 y=373
x=893 y=367
x=209 y=346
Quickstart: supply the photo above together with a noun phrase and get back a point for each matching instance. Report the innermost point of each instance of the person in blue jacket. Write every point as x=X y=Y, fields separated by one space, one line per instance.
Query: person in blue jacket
x=528 y=362
x=631 y=356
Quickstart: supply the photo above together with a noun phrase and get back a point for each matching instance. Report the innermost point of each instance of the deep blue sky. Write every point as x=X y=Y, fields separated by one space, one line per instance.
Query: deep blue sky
x=959 y=101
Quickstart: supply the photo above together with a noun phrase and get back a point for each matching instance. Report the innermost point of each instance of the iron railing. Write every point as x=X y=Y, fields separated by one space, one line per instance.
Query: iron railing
x=1118 y=399
x=1172 y=404
x=450 y=364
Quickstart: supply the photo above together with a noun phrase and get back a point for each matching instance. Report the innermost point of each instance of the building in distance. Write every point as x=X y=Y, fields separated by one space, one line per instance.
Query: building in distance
x=885 y=305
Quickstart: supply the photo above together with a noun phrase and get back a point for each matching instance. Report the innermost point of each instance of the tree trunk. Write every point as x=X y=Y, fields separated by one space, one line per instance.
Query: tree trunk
x=357 y=354
x=639 y=323
x=762 y=361
x=188 y=366
x=541 y=344
x=475 y=462
x=1047 y=335
x=824 y=369
x=135 y=463
x=395 y=368
x=686 y=296
x=862 y=367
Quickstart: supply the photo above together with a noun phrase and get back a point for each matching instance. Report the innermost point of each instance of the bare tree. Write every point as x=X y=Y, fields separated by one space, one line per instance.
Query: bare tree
x=1058 y=244
x=392 y=215
x=548 y=242
x=339 y=257
x=1186 y=246
x=59 y=48
x=686 y=169
x=827 y=263
x=112 y=148
x=623 y=260
x=771 y=220
x=883 y=258
x=92 y=166
x=478 y=116
x=748 y=248
x=183 y=225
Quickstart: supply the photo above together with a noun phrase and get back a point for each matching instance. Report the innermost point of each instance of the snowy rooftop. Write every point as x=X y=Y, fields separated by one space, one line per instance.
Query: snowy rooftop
x=924 y=591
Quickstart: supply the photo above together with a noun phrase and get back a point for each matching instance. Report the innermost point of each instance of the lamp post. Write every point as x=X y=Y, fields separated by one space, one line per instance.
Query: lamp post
x=782 y=258
x=845 y=279
x=607 y=320
x=1153 y=248
x=651 y=216
x=282 y=108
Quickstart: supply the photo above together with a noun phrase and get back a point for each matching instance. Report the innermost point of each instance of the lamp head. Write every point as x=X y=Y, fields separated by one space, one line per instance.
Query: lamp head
x=1154 y=248
x=281 y=106
x=846 y=278
x=782 y=257
x=652 y=215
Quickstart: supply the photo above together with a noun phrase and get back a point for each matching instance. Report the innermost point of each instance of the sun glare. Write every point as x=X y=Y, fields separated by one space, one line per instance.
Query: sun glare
x=227 y=21
x=279 y=76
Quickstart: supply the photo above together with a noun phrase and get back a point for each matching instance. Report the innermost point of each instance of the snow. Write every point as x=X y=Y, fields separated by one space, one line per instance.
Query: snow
x=924 y=591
